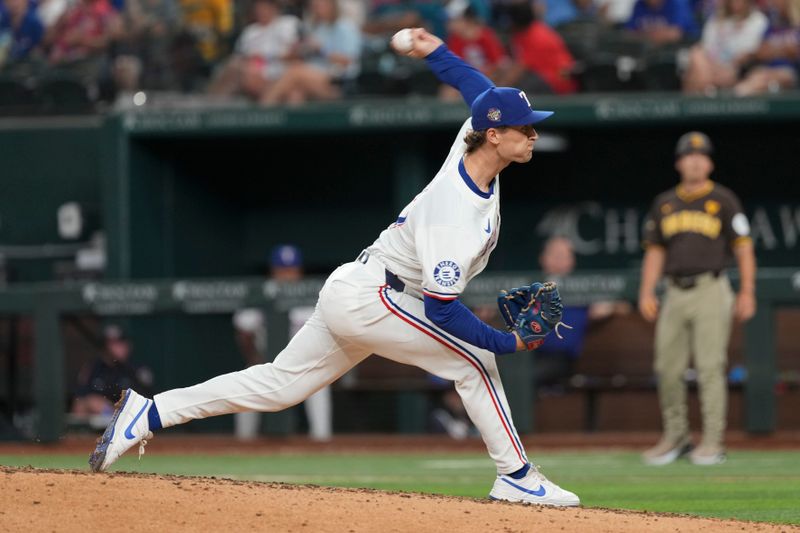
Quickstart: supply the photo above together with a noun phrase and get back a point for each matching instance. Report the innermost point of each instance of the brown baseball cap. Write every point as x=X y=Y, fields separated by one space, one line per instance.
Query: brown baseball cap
x=693 y=142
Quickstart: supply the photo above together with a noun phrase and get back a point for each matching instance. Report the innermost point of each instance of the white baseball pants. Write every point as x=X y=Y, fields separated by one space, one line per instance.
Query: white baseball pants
x=357 y=315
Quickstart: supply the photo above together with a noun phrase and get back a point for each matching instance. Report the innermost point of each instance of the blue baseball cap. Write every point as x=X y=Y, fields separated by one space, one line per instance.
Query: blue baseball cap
x=504 y=106
x=285 y=255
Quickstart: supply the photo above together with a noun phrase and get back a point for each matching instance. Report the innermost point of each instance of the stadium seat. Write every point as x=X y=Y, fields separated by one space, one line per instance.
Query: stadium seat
x=580 y=37
x=15 y=97
x=661 y=70
x=64 y=95
x=377 y=64
x=620 y=44
x=421 y=81
x=604 y=72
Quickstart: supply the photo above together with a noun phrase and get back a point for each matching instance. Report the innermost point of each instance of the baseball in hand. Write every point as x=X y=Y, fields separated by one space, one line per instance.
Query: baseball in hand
x=403 y=41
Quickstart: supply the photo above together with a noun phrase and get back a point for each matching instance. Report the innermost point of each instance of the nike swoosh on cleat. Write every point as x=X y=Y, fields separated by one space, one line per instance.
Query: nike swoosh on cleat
x=538 y=492
x=128 y=434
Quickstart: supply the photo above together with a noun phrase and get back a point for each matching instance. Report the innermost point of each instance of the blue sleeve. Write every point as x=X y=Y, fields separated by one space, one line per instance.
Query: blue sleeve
x=454 y=318
x=633 y=22
x=684 y=19
x=31 y=32
x=572 y=343
x=453 y=70
x=37 y=33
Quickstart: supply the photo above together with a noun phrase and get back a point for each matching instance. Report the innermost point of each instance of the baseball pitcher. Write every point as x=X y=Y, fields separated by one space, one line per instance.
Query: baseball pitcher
x=399 y=299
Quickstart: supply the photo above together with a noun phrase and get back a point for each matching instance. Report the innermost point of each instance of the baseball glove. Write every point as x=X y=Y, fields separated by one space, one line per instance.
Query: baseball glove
x=532 y=312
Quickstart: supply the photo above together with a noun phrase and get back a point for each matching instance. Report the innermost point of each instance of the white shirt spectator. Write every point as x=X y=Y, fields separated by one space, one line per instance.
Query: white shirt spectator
x=270 y=42
x=616 y=11
x=725 y=39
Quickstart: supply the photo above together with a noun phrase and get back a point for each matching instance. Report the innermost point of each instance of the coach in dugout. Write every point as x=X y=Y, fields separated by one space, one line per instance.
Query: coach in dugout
x=101 y=381
x=690 y=235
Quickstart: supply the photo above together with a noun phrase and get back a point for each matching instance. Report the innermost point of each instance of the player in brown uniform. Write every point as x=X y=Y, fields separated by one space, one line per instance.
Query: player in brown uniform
x=691 y=233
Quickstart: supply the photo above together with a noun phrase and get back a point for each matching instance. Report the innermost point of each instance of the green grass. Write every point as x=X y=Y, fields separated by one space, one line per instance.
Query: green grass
x=761 y=486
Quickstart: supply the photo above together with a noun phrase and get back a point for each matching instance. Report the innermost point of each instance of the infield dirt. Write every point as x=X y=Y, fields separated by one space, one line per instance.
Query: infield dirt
x=67 y=501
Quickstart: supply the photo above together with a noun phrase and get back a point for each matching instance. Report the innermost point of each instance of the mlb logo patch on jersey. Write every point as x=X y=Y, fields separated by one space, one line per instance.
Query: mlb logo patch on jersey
x=446 y=273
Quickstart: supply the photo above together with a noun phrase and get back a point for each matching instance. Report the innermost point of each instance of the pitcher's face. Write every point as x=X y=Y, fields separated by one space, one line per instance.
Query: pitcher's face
x=516 y=143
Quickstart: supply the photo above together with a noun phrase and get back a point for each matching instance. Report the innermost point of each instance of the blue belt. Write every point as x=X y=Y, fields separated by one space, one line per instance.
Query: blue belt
x=394 y=282
x=391 y=278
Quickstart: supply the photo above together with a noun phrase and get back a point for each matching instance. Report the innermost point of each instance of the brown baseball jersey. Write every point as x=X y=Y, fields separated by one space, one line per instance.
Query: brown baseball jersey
x=698 y=230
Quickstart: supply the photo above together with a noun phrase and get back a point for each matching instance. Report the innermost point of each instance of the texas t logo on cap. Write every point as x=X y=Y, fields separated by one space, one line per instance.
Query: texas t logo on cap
x=504 y=106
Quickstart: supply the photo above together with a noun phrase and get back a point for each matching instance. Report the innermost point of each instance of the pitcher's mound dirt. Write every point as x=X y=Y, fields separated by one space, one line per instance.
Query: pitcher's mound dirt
x=66 y=501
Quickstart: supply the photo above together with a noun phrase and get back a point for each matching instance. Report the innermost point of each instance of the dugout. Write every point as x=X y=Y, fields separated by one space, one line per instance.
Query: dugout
x=188 y=193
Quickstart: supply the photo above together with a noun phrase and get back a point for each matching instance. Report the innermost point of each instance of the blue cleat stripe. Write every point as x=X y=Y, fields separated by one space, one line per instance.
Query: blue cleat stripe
x=538 y=492
x=128 y=434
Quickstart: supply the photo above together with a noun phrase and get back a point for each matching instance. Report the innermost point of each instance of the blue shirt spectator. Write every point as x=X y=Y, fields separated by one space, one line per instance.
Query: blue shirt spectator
x=572 y=343
x=341 y=37
x=656 y=15
x=557 y=12
x=18 y=20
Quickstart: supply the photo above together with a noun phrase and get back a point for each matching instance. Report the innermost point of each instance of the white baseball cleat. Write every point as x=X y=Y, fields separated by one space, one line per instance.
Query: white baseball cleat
x=533 y=488
x=128 y=426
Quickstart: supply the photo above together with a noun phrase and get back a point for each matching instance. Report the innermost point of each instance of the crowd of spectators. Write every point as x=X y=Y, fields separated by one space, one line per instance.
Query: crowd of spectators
x=293 y=51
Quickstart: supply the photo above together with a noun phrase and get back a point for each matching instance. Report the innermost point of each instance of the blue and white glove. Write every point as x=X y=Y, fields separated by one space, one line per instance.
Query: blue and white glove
x=532 y=312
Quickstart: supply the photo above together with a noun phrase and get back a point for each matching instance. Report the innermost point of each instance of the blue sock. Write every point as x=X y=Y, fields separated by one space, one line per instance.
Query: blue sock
x=519 y=474
x=153 y=417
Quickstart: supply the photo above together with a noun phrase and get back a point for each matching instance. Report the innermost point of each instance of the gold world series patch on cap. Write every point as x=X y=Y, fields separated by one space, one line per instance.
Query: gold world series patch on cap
x=494 y=114
x=697 y=141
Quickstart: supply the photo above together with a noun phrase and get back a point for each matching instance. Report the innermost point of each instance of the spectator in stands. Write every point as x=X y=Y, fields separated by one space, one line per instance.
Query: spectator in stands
x=778 y=56
x=49 y=11
x=556 y=12
x=662 y=22
x=473 y=40
x=587 y=11
x=541 y=62
x=81 y=38
x=101 y=381
x=615 y=12
x=209 y=24
x=354 y=10
x=143 y=44
x=21 y=31
x=286 y=265
x=730 y=40
x=554 y=361
x=261 y=52
x=323 y=63
x=388 y=16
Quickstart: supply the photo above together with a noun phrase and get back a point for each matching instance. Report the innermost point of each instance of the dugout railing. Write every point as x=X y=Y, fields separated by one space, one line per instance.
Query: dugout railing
x=46 y=303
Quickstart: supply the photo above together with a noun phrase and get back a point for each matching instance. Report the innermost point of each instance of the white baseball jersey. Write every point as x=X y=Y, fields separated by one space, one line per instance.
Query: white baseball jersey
x=440 y=241
x=443 y=238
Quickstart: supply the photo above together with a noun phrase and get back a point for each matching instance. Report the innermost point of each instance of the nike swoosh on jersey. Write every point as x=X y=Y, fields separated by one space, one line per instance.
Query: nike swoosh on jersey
x=488 y=226
x=128 y=434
